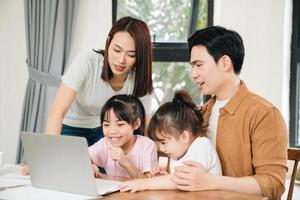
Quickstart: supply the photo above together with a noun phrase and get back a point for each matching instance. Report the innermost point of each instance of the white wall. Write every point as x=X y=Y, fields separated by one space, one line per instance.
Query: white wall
x=13 y=74
x=264 y=25
x=93 y=23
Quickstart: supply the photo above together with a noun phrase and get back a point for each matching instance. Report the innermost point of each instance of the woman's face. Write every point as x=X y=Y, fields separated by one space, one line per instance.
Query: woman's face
x=121 y=54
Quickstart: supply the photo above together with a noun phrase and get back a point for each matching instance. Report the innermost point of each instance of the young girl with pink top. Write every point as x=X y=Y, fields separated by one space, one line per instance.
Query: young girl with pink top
x=178 y=129
x=124 y=151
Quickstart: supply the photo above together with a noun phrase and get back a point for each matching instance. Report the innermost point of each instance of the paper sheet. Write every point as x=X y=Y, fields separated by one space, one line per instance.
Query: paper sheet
x=8 y=169
x=31 y=193
x=13 y=179
x=14 y=186
x=8 y=183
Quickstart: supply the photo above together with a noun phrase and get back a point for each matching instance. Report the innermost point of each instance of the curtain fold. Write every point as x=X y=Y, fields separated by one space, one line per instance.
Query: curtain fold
x=48 y=28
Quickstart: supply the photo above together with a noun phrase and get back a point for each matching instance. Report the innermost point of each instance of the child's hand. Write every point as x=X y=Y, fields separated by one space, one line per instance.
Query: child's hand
x=117 y=154
x=97 y=173
x=157 y=172
x=134 y=185
x=25 y=170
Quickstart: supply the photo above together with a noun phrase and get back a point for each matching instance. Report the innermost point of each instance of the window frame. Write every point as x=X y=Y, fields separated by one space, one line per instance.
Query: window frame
x=175 y=51
x=294 y=133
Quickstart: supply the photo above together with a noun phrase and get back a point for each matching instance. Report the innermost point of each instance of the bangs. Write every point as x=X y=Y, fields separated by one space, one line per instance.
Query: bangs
x=120 y=109
x=159 y=135
x=160 y=129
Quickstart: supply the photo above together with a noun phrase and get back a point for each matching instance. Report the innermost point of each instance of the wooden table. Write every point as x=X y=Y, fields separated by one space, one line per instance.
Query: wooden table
x=178 y=195
x=174 y=194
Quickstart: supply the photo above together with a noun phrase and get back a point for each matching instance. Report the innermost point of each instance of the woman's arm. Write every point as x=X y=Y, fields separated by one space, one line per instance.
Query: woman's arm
x=147 y=121
x=63 y=100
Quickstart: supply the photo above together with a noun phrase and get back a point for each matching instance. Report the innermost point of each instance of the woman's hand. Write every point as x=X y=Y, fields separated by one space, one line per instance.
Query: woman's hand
x=25 y=170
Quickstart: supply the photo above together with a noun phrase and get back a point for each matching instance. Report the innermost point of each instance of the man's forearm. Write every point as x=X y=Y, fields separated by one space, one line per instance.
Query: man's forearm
x=246 y=184
x=161 y=183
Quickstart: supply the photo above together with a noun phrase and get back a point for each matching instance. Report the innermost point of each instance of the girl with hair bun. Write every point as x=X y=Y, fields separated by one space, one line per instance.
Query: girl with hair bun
x=178 y=129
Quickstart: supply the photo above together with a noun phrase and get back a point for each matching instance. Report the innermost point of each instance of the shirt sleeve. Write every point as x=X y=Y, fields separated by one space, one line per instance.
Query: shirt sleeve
x=149 y=156
x=98 y=151
x=77 y=71
x=149 y=103
x=269 y=148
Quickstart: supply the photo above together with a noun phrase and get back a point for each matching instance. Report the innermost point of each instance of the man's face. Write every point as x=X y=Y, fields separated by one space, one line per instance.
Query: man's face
x=208 y=74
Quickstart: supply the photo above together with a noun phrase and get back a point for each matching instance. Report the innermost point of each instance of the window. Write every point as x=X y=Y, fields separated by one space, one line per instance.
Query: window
x=170 y=23
x=295 y=79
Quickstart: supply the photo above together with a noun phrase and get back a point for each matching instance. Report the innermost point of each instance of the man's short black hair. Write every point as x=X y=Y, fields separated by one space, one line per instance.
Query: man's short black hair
x=220 y=41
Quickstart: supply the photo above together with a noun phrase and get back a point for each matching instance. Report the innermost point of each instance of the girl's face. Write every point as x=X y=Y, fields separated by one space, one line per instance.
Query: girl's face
x=121 y=54
x=174 y=147
x=119 y=132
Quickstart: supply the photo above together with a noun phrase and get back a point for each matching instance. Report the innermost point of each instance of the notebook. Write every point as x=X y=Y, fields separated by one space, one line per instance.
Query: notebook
x=62 y=163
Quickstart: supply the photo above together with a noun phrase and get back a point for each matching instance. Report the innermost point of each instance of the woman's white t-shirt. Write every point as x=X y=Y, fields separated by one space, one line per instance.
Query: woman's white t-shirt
x=84 y=76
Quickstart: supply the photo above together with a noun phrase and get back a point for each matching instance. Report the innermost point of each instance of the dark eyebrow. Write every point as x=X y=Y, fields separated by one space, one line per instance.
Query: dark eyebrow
x=196 y=61
x=133 y=51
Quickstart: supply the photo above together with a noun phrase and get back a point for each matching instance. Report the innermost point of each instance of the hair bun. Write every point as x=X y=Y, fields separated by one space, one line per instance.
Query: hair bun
x=182 y=96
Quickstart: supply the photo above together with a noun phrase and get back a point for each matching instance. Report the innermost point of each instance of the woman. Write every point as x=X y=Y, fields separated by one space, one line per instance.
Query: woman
x=124 y=67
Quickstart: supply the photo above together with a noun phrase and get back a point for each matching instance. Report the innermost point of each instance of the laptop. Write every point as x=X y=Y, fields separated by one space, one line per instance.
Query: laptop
x=62 y=163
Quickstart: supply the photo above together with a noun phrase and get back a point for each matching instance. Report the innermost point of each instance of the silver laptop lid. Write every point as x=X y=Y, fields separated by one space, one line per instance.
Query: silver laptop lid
x=59 y=163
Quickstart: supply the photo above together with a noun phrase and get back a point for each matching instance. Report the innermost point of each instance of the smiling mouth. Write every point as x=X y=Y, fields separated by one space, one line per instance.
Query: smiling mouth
x=115 y=139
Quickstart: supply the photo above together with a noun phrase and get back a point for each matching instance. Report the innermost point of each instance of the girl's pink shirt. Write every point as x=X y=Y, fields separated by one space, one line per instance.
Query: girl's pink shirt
x=143 y=156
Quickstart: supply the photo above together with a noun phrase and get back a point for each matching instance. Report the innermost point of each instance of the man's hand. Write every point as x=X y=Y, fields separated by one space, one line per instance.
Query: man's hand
x=134 y=185
x=192 y=177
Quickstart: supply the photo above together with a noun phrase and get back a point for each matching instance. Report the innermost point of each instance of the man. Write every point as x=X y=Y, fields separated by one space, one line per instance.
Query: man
x=249 y=132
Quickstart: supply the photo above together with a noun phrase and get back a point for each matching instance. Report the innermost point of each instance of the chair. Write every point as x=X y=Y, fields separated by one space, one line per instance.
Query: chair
x=293 y=154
